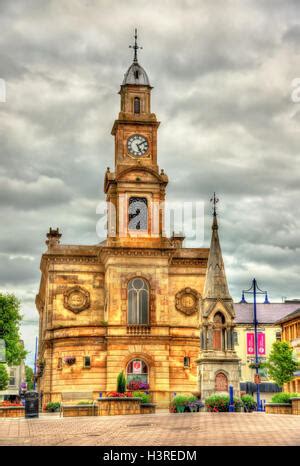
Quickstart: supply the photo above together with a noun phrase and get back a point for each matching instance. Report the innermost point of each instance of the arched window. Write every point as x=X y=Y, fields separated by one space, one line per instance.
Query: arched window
x=137 y=370
x=218 y=332
x=137 y=105
x=138 y=213
x=138 y=302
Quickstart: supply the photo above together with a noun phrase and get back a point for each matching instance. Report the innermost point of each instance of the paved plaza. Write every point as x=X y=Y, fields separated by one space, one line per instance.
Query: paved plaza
x=154 y=430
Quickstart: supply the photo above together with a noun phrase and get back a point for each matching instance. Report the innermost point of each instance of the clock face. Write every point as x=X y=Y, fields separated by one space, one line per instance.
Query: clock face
x=137 y=145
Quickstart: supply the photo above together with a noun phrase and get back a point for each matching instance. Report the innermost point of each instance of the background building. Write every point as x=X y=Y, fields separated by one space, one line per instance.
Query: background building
x=270 y=330
x=16 y=377
x=290 y=325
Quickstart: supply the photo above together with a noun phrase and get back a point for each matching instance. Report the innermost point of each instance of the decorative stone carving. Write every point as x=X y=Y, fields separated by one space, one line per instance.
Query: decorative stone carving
x=76 y=299
x=221 y=382
x=187 y=301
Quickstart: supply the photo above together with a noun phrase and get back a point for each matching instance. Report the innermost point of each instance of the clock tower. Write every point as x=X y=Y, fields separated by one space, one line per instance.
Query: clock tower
x=136 y=189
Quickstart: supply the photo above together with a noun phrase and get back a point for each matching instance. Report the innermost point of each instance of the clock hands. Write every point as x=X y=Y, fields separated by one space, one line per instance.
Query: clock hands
x=140 y=144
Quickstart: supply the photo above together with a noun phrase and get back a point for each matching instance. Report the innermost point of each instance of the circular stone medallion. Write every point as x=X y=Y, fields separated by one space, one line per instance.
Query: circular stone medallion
x=76 y=299
x=186 y=301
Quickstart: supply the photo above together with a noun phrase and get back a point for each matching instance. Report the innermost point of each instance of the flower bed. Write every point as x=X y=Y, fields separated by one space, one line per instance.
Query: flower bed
x=137 y=385
x=52 y=407
x=284 y=397
x=248 y=403
x=185 y=403
x=220 y=403
x=9 y=403
x=119 y=395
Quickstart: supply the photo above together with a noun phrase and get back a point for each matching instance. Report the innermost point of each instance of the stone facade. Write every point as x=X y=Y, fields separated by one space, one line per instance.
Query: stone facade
x=95 y=318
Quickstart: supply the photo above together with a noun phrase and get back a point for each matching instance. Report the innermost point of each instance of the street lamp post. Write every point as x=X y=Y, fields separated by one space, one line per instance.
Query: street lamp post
x=255 y=290
x=35 y=362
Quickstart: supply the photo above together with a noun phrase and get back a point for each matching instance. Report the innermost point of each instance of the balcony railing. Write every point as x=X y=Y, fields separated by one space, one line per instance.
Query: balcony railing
x=136 y=329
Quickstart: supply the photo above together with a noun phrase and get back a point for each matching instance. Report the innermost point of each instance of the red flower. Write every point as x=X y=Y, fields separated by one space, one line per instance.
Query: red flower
x=119 y=395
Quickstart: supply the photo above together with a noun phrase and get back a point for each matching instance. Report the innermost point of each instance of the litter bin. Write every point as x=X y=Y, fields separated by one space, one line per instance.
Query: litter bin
x=31 y=404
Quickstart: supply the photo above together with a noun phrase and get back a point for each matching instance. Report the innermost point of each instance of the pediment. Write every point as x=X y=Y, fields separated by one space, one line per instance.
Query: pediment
x=139 y=174
x=209 y=307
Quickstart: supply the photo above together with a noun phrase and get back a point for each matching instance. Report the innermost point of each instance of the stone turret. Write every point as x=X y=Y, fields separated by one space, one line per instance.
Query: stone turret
x=218 y=362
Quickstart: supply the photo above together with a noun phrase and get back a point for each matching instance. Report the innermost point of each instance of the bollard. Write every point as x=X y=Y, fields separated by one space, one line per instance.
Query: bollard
x=231 y=401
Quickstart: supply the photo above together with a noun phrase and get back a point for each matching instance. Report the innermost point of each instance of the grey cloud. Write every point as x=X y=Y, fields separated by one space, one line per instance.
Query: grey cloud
x=292 y=36
x=222 y=82
x=40 y=193
x=18 y=269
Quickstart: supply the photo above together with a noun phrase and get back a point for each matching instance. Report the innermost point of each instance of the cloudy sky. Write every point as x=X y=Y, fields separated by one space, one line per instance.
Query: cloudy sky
x=225 y=89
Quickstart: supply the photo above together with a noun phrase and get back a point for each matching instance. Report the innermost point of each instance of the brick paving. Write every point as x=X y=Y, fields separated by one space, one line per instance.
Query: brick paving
x=188 y=429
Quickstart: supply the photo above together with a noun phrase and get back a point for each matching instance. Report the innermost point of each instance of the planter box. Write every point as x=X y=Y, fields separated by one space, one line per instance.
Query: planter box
x=147 y=408
x=12 y=411
x=79 y=410
x=110 y=406
x=278 y=408
x=295 y=406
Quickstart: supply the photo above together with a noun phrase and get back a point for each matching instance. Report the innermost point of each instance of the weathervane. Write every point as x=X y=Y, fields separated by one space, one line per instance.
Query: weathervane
x=214 y=201
x=135 y=47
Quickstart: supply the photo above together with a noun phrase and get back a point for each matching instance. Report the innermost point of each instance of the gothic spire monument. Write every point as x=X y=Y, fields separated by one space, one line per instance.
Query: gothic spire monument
x=132 y=302
x=218 y=364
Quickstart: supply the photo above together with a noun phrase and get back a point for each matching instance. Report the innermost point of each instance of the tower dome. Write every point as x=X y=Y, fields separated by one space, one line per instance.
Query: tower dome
x=136 y=75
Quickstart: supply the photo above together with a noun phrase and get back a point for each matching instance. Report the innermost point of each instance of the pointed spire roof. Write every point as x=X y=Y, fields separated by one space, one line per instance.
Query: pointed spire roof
x=136 y=73
x=216 y=286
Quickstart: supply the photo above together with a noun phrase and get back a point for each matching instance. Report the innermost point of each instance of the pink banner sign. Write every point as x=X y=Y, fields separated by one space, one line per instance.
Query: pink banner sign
x=261 y=343
x=261 y=340
x=250 y=343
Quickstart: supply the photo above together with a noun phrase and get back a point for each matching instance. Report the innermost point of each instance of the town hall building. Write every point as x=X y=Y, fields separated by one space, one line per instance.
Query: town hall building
x=138 y=302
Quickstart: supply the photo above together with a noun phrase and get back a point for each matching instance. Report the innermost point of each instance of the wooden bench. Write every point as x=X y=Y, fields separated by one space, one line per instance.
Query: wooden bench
x=76 y=396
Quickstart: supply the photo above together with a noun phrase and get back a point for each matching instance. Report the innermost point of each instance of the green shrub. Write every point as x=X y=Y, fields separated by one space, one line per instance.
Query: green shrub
x=220 y=403
x=183 y=400
x=52 y=407
x=121 y=383
x=284 y=397
x=4 y=378
x=145 y=398
x=248 y=402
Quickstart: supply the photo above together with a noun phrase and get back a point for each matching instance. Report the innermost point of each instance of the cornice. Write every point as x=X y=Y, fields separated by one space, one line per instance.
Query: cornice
x=121 y=251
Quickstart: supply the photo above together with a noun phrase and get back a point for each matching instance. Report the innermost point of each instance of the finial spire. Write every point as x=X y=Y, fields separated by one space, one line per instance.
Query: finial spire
x=215 y=283
x=214 y=201
x=135 y=47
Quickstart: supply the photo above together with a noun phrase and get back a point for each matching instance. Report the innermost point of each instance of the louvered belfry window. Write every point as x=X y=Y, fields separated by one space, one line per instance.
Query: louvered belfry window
x=138 y=213
x=137 y=105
